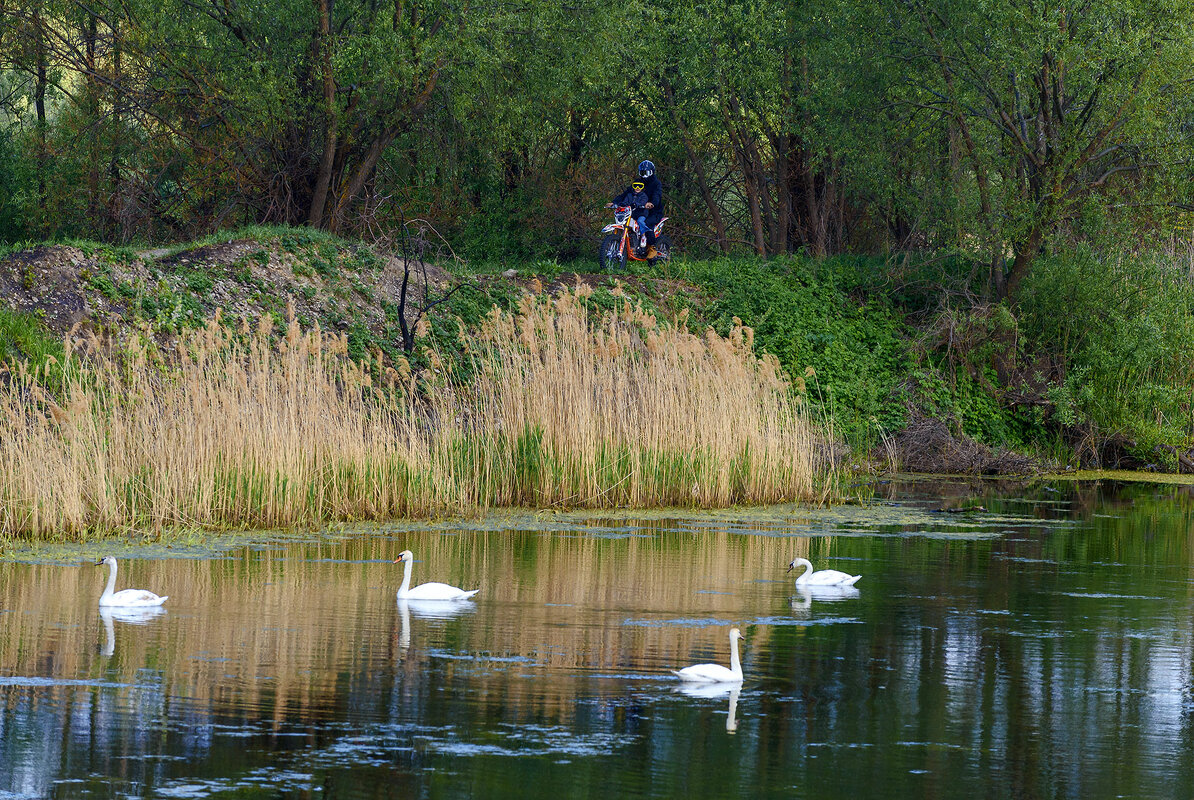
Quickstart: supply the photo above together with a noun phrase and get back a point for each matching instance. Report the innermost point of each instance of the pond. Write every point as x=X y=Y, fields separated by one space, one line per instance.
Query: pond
x=1040 y=646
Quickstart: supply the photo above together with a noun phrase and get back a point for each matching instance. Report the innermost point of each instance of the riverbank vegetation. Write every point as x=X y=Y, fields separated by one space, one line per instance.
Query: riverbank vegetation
x=565 y=406
x=948 y=223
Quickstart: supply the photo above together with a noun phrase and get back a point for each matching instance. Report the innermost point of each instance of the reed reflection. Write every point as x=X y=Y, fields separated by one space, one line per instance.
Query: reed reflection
x=1062 y=643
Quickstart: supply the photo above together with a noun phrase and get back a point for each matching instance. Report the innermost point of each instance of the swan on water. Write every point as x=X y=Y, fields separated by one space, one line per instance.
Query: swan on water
x=716 y=673
x=427 y=591
x=125 y=598
x=824 y=577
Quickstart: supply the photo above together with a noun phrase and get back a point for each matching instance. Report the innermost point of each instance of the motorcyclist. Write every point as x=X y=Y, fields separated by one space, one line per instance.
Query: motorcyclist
x=645 y=197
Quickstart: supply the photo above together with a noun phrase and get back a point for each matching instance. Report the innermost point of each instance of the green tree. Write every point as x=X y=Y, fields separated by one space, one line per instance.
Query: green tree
x=1053 y=105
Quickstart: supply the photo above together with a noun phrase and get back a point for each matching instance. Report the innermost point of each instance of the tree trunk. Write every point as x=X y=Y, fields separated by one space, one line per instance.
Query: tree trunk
x=39 y=103
x=815 y=224
x=352 y=188
x=1025 y=254
x=90 y=34
x=323 y=178
x=750 y=184
x=783 y=199
x=698 y=166
x=116 y=211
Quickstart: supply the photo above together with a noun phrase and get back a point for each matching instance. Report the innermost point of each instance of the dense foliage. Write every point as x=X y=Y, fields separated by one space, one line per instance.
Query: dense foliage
x=974 y=212
x=826 y=127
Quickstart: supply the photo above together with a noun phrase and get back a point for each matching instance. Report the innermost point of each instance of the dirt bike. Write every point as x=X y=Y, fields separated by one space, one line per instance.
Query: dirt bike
x=624 y=241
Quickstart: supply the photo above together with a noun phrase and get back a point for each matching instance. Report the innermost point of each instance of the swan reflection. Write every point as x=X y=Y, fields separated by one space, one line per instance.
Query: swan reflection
x=132 y=615
x=805 y=595
x=711 y=690
x=428 y=609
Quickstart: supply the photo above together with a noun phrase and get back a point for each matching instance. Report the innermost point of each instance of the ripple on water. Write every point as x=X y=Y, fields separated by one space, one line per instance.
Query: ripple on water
x=1107 y=596
x=781 y=621
x=480 y=658
x=692 y=622
x=279 y=780
x=19 y=680
x=530 y=740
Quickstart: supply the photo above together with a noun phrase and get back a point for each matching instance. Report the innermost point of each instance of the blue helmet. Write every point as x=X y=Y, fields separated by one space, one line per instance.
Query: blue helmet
x=646 y=169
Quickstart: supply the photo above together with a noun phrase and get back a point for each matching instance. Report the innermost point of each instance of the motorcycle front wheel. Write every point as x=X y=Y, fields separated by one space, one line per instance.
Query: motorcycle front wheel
x=663 y=247
x=612 y=256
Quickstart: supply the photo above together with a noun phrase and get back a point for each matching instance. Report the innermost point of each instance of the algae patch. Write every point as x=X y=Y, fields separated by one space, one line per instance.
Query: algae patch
x=1130 y=476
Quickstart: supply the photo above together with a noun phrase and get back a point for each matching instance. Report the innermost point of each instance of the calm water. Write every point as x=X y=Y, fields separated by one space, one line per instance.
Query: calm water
x=1042 y=648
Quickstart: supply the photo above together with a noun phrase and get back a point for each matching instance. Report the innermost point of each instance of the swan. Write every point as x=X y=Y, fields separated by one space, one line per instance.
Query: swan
x=716 y=673
x=427 y=591
x=125 y=598
x=825 y=577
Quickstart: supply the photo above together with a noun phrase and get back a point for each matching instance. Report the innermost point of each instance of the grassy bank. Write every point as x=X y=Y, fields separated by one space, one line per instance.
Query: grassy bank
x=564 y=406
x=904 y=358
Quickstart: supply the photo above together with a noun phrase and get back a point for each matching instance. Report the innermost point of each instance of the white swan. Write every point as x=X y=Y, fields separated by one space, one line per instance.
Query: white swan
x=825 y=577
x=427 y=591
x=125 y=598
x=716 y=673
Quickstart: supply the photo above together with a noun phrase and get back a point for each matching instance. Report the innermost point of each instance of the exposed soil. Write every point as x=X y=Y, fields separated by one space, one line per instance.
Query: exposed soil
x=66 y=286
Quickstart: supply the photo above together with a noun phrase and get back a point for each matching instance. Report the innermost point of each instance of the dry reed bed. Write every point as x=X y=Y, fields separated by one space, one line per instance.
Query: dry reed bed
x=563 y=407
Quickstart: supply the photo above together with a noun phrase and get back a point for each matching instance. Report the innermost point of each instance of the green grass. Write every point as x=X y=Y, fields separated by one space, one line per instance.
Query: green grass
x=23 y=336
x=812 y=314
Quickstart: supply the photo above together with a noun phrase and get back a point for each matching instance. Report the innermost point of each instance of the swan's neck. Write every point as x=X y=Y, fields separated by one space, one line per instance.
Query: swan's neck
x=402 y=590
x=111 y=587
x=735 y=664
x=808 y=569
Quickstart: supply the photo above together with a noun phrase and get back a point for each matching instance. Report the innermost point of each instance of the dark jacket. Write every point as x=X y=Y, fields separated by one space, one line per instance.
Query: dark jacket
x=652 y=193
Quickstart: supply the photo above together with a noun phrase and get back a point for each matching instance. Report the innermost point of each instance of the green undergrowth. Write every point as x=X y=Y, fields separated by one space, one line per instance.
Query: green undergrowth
x=1096 y=350
x=23 y=336
x=847 y=350
x=25 y=342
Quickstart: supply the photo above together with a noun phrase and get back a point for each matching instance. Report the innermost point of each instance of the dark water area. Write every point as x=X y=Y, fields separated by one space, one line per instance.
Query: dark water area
x=1041 y=647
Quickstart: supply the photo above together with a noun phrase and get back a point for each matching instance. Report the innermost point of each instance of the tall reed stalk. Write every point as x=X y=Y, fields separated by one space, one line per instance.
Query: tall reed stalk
x=241 y=429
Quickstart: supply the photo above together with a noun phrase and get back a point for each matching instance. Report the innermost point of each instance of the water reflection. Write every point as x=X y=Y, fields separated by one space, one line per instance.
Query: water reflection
x=805 y=595
x=130 y=615
x=710 y=690
x=427 y=609
x=1042 y=648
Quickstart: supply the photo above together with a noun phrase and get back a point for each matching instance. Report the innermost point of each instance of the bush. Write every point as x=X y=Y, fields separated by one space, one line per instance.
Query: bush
x=1123 y=327
x=805 y=313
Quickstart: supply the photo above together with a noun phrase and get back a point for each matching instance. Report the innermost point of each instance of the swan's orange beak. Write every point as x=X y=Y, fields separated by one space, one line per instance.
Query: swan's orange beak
x=398 y=560
x=791 y=567
x=99 y=563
